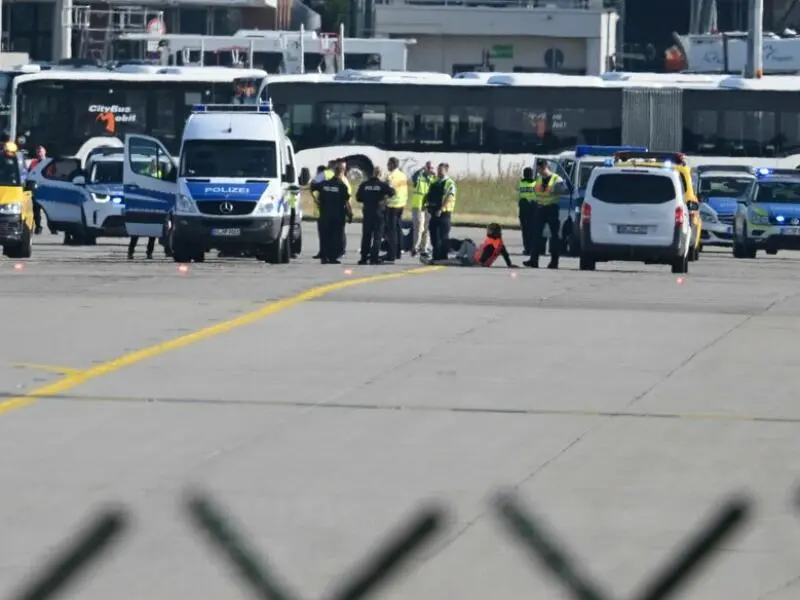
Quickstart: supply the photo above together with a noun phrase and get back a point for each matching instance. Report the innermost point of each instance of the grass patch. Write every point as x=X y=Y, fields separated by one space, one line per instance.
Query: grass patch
x=479 y=201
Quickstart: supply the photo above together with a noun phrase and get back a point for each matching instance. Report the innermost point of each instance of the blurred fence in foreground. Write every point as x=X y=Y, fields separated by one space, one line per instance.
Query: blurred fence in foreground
x=526 y=528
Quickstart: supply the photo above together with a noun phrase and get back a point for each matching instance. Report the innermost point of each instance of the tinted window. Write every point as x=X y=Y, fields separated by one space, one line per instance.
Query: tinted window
x=229 y=158
x=633 y=188
x=106 y=172
x=779 y=191
x=586 y=171
x=724 y=186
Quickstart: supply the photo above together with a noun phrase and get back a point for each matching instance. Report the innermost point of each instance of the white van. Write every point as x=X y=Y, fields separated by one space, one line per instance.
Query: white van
x=230 y=190
x=635 y=214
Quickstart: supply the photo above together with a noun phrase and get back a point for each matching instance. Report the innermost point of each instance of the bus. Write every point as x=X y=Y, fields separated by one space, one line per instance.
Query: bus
x=72 y=112
x=7 y=77
x=490 y=126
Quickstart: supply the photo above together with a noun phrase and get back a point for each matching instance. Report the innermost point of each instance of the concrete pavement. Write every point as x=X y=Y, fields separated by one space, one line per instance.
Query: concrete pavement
x=622 y=404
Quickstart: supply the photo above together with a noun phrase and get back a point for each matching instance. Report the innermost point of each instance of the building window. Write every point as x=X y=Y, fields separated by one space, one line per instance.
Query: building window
x=194 y=20
x=226 y=21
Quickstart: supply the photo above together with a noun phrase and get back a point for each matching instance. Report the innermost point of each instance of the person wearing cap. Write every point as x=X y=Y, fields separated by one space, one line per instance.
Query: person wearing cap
x=548 y=187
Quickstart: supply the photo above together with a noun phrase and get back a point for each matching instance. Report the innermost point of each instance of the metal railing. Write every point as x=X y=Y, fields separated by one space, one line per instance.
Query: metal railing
x=430 y=521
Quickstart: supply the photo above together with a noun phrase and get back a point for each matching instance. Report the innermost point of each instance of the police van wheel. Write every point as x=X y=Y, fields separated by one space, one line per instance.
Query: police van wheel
x=200 y=257
x=272 y=253
x=587 y=263
x=286 y=252
x=680 y=264
x=772 y=252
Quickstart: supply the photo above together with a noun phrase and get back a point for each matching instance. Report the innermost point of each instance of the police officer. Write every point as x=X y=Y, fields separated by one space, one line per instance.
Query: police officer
x=394 y=210
x=527 y=207
x=547 y=188
x=334 y=211
x=294 y=198
x=440 y=203
x=322 y=175
x=343 y=177
x=373 y=194
x=421 y=182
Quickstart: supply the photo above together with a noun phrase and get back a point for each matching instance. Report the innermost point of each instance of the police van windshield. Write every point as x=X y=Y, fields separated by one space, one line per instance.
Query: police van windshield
x=229 y=158
x=724 y=186
x=106 y=172
x=779 y=191
x=9 y=171
x=633 y=188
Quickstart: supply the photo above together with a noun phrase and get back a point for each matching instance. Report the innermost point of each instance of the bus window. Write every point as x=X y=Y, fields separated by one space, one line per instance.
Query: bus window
x=164 y=124
x=5 y=99
x=354 y=124
x=573 y=126
x=521 y=129
x=103 y=111
x=468 y=126
x=413 y=125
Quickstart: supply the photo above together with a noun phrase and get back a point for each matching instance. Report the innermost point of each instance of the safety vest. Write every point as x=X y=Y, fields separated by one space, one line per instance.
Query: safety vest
x=449 y=195
x=399 y=181
x=421 y=187
x=543 y=194
x=328 y=173
x=293 y=199
x=527 y=190
x=497 y=250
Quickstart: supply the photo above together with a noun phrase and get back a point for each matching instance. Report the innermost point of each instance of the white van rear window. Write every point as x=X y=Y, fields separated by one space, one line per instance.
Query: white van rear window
x=633 y=188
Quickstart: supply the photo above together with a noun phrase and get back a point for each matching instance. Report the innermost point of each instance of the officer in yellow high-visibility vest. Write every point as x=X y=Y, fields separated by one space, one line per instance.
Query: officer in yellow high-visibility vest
x=421 y=182
x=527 y=206
x=548 y=187
x=394 y=210
x=293 y=196
x=440 y=204
x=342 y=166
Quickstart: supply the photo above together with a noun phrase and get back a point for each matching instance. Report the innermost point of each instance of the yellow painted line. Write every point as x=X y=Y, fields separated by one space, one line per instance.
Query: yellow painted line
x=57 y=369
x=75 y=379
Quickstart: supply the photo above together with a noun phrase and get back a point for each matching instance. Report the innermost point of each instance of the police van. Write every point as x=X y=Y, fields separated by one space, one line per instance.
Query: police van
x=234 y=188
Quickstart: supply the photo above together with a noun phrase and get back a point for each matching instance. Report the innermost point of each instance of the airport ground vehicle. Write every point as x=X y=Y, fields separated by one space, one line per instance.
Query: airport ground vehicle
x=229 y=191
x=635 y=213
x=676 y=161
x=16 y=208
x=719 y=188
x=768 y=217
x=488 y=126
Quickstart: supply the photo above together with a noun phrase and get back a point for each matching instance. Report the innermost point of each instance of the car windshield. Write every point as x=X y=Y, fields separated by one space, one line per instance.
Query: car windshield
x=724 y=186
x=106 y=172
x=229 y=158
x=778 y=191
x=633 y=188
x=9 y=171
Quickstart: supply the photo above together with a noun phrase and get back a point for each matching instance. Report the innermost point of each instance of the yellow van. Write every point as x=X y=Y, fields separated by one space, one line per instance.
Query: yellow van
x=677 y=161
x=16 y=208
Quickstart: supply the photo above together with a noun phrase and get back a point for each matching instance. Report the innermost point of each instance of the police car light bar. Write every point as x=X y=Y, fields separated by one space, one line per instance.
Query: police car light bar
x=585 y=150
x=673 y=157
x=767 y=172
x=264 y=107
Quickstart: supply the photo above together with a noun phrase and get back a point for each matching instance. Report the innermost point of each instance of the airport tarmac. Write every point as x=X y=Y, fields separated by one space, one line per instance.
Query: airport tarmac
x=321 y=404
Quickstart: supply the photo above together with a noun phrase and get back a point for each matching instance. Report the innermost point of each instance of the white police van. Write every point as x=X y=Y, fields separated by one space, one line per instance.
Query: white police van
x=83 y=198
x=230 y=191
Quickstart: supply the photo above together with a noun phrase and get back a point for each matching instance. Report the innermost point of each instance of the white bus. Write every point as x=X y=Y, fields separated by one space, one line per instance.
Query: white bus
x=486 y=126
x=71 y=112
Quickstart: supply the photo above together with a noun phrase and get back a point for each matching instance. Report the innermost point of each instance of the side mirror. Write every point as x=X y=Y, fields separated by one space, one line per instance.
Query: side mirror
x=30 y=185
x=289 y=176
x=305 y=176
x=692 y=205
x=79 y=180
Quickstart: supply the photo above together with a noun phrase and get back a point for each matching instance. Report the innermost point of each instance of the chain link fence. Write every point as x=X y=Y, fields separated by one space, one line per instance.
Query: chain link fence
x=524 y=527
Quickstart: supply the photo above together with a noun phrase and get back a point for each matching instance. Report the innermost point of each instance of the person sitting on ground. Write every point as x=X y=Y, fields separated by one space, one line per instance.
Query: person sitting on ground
x=469 y=254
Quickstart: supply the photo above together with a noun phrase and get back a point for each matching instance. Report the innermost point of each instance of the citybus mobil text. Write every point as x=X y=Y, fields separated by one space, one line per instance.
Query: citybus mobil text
x=122 y=114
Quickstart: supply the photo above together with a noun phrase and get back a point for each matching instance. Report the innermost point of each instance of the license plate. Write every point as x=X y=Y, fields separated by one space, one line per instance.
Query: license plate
x=226 y=232
x=638 y=229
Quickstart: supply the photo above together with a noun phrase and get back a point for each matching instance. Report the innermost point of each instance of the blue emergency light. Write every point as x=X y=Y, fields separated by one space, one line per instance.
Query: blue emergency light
x=585 y=150
x=262 y=107
x=763 y=171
